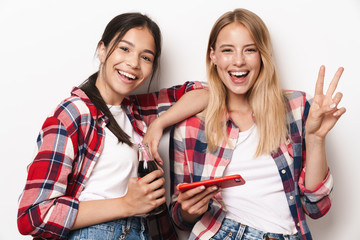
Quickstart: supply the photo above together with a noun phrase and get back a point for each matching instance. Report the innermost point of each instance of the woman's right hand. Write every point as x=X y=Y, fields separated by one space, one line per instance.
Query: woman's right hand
x=146 y=193
x=195 y=202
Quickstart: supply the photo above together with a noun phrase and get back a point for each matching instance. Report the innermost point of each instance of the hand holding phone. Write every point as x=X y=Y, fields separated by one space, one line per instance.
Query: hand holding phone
x=221 y=182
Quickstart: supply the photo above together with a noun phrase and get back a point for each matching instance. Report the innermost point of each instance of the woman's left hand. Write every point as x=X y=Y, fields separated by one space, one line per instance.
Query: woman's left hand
x=323 y=113
x=152 y=138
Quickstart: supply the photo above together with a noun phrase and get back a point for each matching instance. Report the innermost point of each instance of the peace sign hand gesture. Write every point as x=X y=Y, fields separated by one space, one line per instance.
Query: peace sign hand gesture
x=323 y=113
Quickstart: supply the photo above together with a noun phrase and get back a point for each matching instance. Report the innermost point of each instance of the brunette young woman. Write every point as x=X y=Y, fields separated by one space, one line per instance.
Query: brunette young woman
x=82 y=183
x=273 y=138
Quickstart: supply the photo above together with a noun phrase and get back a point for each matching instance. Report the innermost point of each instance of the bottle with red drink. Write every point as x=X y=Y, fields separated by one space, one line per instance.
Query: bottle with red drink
x=147 y=164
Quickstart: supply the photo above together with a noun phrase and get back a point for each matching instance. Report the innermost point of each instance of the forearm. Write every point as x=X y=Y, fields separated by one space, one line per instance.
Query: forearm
x=188 y=105
x=99 y=211
x=316 y=164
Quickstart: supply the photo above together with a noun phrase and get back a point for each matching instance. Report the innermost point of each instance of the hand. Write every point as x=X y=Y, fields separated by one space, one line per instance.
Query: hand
x=152 y=138
x=145 y=194
x=195 y=202
x=323 y=113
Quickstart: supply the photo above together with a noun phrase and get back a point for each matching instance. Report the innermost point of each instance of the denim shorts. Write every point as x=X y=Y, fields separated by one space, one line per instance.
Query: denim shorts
x=132 y=228
x=234 y=230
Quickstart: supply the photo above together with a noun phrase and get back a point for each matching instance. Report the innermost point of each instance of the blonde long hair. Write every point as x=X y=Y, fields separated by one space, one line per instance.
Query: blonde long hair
x=266 y=97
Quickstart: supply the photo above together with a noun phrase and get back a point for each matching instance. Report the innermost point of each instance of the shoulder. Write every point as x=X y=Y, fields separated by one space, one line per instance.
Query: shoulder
x=73 y=108
x=296 y=99
x=297 y=104
x=190 y=128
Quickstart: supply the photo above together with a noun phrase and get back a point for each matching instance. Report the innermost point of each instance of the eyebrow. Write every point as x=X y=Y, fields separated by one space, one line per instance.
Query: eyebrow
x=132 y=45
x=230 y=45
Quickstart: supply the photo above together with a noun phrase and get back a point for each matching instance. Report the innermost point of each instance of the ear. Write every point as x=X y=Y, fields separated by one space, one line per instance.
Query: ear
x=212 y=56
x=102 y=52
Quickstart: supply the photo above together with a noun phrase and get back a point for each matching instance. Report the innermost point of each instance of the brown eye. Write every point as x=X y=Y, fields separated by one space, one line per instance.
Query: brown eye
x=124 y=49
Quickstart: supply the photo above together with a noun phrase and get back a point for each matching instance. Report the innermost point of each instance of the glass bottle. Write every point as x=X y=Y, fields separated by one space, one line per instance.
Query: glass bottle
x=147 y=164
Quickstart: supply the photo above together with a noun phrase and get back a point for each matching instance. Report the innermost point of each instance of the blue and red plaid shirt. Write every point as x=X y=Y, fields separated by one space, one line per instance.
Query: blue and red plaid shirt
x=69 y=144
x=191 y=161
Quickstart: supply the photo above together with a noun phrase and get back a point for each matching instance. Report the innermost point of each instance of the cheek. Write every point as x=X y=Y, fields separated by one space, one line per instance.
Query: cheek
x=224 y=61
x=147 y=69
x=255 y=62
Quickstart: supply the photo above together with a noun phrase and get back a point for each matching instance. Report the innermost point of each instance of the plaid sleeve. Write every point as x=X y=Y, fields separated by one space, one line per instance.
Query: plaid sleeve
x=150 y=106
x=316 y=203
x=44 y=210
x=179 y=172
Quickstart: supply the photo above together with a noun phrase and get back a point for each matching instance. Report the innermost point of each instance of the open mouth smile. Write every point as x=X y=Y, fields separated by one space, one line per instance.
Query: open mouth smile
x=129 y=76
x=239 y=74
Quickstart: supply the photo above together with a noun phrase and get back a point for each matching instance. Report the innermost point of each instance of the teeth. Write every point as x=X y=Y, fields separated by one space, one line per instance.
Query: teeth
x=238 y=74
x=127 y=75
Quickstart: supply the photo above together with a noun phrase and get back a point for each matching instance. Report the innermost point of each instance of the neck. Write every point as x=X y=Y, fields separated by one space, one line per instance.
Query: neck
x=107 y=93
x=240 y=112
x=238 y=103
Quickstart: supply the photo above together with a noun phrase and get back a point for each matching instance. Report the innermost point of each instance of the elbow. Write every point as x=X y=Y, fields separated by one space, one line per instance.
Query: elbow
x=24 y=226
x=319 y=210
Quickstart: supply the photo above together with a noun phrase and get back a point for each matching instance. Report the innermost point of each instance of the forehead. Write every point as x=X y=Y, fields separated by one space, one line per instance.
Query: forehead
x=140 y=38
x=234 y=33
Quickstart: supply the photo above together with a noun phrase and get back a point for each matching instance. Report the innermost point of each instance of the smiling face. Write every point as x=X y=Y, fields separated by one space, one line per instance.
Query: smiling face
x=237 y=59
x=127 y=67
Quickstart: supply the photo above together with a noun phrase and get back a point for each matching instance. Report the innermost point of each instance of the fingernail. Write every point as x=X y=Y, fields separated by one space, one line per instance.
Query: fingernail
x=333 y=105
x=202 y=187
x=214 y=188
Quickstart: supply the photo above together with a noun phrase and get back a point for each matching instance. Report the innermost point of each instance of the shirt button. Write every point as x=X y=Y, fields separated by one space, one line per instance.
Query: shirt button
x=283 y=171
x=291 y=197
x=298 y=224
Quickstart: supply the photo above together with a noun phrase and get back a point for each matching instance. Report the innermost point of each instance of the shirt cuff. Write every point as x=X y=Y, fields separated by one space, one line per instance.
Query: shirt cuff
x=180 y=222
x=322 y=190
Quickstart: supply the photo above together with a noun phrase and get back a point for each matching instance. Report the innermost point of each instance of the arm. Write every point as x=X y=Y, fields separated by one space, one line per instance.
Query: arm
x=44 y=208
x=49 y=207
x=189 y=104
x=316 y=181
x=142 y=196
x=187 y=207
x=323 y=116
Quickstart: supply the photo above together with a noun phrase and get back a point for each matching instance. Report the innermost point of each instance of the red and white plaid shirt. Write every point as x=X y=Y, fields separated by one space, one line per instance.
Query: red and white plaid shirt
x=69 y=143
x=191 y=161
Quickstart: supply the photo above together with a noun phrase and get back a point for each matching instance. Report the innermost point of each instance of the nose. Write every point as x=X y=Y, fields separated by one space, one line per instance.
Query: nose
x=132 y=60
x=239 y=58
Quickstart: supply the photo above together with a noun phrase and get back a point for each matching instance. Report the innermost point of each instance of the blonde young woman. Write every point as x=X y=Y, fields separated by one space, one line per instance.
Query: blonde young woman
x=274 y=138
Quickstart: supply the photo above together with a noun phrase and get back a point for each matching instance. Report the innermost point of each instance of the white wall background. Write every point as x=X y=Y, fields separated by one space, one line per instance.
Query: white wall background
x=47 y=46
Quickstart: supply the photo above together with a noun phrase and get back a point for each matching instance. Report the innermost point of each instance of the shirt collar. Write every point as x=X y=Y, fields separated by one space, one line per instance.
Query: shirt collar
x=96 y=114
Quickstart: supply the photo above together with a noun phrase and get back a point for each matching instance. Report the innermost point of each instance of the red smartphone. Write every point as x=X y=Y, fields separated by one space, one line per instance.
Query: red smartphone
x=221 y=182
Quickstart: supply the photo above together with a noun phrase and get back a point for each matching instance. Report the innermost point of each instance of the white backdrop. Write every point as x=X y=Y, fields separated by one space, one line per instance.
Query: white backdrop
x=48 y=46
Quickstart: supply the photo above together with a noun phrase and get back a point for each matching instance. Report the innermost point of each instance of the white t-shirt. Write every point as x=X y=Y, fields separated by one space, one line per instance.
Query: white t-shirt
x=116 y=165
x=261 y=202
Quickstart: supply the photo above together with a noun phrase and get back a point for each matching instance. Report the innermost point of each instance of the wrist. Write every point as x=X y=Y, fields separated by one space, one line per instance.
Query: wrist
x=160 y=122
x=314 y=139
x=125 y=208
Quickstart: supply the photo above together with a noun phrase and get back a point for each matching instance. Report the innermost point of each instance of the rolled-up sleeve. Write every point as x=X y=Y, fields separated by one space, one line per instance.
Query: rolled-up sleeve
x=44 y=209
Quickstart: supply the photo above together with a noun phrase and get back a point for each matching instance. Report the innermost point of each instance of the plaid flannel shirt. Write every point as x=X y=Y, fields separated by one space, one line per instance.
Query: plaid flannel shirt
x=69 y=143
x=191 y=161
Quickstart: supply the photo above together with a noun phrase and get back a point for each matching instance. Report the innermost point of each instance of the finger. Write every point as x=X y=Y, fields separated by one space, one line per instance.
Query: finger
x=339 y=112
x=202 y=202
x=148 y=178
x=198 y=197
x=320 y=81
x=155 y=153
x=158 y=193
x=160 y=201
x=336 y=99
x=158 y=159
x=157 y=184
x=334 y=82
x=191 y=192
